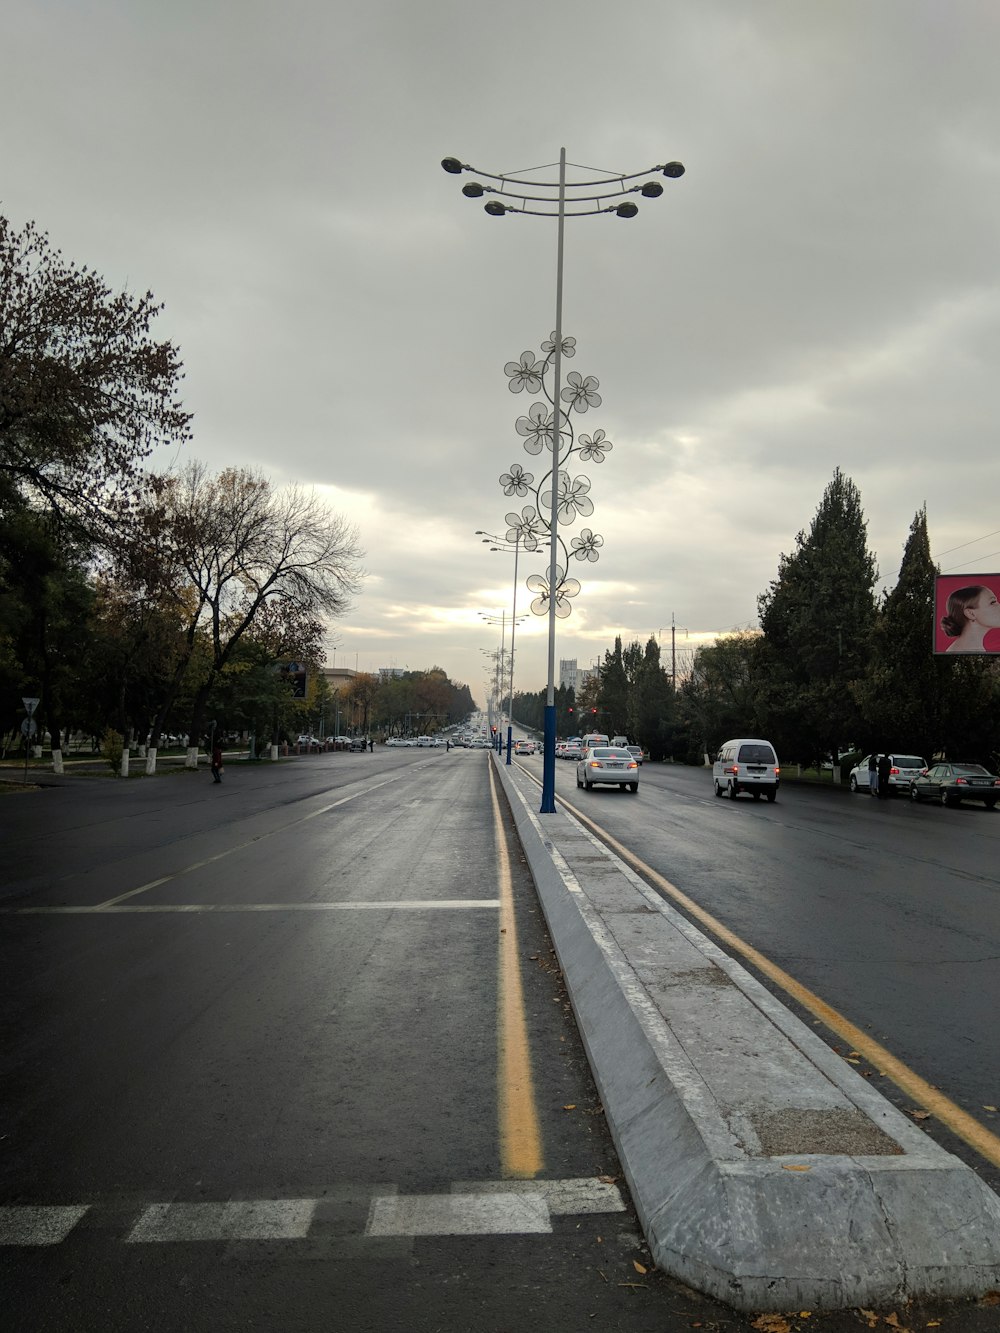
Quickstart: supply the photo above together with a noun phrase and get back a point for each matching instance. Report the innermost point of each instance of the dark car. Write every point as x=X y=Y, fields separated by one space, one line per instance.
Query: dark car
x=953 y=783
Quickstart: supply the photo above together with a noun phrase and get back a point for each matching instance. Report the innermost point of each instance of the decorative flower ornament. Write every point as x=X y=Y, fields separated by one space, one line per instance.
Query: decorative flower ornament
x=571 y=497
x=525 y=374
x=594 y=447
x=585 y=547
x=516 y=481
x=525 y=527
x=565 y=589
x=567 y=347
x=581 y=393
x=536 y=428
x=548 y=424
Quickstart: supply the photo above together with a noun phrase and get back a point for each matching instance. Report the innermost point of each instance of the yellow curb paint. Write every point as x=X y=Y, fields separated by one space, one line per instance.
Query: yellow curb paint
x=520 y=1134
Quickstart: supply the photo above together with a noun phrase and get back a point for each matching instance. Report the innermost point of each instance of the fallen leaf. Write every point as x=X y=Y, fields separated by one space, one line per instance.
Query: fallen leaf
x=772 y=1323
x=639 y=1268
x=921 y=1115
x=571 y=1106
x=991 y=1298
x=607 y=1180
x=988 y=1108
x=795 y=1166
x=870 y=1318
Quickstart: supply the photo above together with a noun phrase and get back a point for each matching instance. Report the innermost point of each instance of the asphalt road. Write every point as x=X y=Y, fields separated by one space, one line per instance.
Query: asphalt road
x=285 y=1053
x=889 y=912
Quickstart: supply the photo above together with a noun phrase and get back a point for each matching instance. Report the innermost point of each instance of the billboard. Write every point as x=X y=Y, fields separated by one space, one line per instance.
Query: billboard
x=967 y=613
x=295 y=674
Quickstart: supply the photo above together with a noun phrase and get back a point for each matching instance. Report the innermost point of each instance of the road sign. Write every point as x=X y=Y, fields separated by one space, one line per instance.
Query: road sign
x=28 y=726
x=30 y=705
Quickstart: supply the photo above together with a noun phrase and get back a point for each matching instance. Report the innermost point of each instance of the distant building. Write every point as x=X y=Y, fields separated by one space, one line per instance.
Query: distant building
x=572 y=677
x=391 y=673
x=336 y=677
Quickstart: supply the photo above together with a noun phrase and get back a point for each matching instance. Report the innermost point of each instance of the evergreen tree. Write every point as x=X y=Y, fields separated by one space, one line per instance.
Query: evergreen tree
x=612 y=715
x=817 y=618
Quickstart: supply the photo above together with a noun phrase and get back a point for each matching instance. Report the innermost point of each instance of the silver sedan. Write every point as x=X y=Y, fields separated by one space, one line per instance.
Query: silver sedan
x=608 y=765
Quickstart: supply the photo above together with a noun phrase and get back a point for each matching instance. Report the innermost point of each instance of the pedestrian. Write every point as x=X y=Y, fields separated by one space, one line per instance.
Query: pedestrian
x=216 y=761
x=371 y=745
x=884 y=769
x=447 y=746
x=873 y=775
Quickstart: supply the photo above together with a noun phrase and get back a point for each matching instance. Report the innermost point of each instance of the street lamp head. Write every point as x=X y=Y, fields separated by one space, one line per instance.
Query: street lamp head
x=651 y=190
x=627 y=210
x=495 y=208
x=473 y=190
x=674 y=169
x=452 y=165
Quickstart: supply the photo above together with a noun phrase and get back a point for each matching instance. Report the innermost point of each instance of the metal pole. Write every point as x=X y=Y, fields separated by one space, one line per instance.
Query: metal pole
x=548 y=806
x=513 y=627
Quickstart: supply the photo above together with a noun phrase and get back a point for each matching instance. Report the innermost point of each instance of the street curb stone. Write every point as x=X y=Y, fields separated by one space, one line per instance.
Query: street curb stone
x=765 y=1171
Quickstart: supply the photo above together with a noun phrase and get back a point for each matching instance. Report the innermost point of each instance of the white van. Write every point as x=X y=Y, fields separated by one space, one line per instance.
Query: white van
x=595 y=738
x=749 y=765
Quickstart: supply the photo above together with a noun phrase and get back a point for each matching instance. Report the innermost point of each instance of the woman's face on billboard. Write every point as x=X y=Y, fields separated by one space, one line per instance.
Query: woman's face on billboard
x=986 y=611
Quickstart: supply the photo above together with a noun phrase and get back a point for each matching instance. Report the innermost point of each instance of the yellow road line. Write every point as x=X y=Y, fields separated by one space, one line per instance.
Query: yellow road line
x=520 y=1134
x=952 y=1116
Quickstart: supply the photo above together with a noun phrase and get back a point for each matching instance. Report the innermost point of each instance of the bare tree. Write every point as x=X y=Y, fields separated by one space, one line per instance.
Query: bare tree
x=230 y=546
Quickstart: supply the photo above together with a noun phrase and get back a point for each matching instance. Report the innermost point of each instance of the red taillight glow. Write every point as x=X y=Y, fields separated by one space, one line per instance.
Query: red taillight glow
x=732 y=771
x=961 y=782
x=894 y=772
x=777 y=770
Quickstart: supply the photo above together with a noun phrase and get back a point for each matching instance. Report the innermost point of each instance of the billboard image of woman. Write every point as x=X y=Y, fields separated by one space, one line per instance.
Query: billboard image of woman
x=967 y=613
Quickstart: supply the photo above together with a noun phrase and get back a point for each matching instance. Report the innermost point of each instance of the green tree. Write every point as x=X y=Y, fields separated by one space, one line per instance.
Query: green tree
x=817 y=618
x=85 y=393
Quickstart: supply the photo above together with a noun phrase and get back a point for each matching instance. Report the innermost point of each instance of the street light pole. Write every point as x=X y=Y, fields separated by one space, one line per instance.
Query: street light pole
x=526 y=373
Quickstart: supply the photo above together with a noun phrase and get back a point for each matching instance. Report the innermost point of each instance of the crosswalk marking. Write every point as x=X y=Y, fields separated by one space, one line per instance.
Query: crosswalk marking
x=29 y=1225
x=473 y=1207
x=507 y=1213
x=264 y=1219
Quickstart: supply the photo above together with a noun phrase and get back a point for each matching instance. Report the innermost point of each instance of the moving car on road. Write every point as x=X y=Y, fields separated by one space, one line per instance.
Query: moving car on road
x=904 y=768
x=953 y=783
x=750 y=765
x=608 y=765
x=524 y=747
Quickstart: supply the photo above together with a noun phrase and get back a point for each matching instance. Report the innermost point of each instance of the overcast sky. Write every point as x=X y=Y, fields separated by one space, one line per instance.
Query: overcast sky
x=818 y=290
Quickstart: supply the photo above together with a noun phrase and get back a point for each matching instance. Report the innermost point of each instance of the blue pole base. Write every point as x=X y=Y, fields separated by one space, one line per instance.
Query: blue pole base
x=548 y=805
x=510 y=733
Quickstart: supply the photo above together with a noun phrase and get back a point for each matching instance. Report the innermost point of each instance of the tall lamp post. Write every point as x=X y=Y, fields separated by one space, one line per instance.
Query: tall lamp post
x=496 y=543
x=586 y=198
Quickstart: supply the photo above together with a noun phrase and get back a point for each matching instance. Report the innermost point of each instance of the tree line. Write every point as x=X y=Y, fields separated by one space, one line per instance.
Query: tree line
x=835 y=670
x=159 y=603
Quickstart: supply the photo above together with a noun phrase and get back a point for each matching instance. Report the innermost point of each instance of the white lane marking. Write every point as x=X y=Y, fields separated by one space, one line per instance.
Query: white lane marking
x=507 y=1213
x=584 y=1195
x=27 y=1225
x=265 y=1219
x=209 y=860
x=391 y=905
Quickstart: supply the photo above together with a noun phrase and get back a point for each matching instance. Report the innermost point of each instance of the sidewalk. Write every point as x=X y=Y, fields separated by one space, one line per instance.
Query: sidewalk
x=765 y=1171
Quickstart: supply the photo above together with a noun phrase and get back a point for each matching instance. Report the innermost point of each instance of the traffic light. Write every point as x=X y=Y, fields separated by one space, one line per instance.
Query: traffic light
x=594 y=711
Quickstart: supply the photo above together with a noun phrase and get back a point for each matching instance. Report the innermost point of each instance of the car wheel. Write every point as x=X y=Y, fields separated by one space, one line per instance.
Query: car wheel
x=914 y=794
x=578 y=782
x=588 y=784
x=634 y=787
x=990 y=802
x=733 y=793
x=718 y=789
x=772 y=796
x=946 y=799
x=854 y=783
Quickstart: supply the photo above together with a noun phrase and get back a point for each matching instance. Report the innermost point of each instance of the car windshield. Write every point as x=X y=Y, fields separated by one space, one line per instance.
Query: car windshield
x=756 y=754
x=971 y=770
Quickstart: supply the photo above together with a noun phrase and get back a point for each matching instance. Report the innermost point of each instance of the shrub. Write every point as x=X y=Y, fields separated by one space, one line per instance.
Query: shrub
x=113 y=747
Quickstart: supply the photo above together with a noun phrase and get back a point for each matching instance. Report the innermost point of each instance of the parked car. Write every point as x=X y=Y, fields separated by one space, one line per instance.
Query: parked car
x=749 y=765
x=905 y=767
x=953 y=783
x=359 y=743
x=607 y=765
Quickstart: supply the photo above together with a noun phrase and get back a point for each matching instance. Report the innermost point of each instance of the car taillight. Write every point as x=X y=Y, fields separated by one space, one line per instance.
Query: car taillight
x=595 y=763
x=961 y=782
x=894 y=772
x=731 y=771
x=777 y=770
x=633 y=764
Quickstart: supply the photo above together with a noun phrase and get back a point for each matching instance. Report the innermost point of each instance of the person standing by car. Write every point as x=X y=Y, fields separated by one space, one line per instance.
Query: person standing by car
x=873 y=775
x=884 y=769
